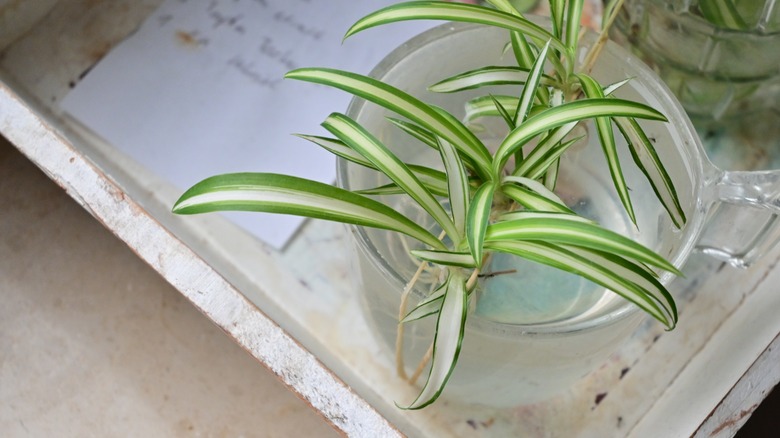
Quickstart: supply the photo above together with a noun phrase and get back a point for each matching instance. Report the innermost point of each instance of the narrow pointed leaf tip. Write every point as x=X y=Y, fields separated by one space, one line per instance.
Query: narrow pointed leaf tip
x=423 y=310
x=531 y=86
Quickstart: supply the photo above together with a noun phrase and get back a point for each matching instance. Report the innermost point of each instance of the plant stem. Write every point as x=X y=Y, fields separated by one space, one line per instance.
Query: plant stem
x=399 y=339
x=595 y=50
x=421 y=365
x=497 y=273
x=474 y=276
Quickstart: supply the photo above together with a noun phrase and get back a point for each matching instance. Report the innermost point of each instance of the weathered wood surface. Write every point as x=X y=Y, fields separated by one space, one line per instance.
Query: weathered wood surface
x=186 y=271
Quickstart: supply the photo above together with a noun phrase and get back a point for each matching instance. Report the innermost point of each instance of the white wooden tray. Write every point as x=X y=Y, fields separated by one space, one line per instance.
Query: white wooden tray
x=296 y=310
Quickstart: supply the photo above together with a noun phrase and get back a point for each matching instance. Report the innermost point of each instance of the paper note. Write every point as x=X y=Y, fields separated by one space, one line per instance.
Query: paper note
x=199 y=89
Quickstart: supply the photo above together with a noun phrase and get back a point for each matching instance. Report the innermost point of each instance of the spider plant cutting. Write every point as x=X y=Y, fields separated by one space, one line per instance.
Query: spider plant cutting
x=483 y=199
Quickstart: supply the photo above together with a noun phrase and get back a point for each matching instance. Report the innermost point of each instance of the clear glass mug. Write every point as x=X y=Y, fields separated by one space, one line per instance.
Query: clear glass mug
x=522 y=343
x=725 y=74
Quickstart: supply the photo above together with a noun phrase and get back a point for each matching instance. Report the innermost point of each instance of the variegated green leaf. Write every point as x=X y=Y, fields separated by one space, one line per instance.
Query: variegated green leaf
x=361 y=141
x=508 y=118
x=566 y=113
x=638 y=274
x=504 y=6
x=524 y=55
x=532 y=200
x=428 y=306
x=614 y=273
x=535 y=186
x=646 y=158
x=542 y=165
x=450 y=325
x=459 y=126
x=486 y=76
x=385 y=190
x=573 y=17
x=565 y=231
x=552 y=165
x=426 y=136
x=433 y=10
x=549 y=202
x=393 y=189
x=485 y=106
x=404 y=104
x=434 y=178
x=543 y=150
x=525 y=214
x=423 y=311
x=551 y=174
x=611 y=88
x=520 y=47
x=457 y=188
x=337 y=147
x=604 y=126
x=422 y=134
x=557 y=11
x=272 y=193
x=435 y=181
x=531 y=86
x=446 y=258
x=478 y=219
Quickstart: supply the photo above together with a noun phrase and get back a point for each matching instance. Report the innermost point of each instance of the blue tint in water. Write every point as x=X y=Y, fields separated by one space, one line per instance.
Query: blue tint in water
x=533 y=293
x=525 y=292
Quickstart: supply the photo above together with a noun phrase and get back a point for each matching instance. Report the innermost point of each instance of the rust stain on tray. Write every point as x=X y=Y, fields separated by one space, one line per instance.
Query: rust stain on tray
x=97 y=52
x=185 y=38
x=735 y=420
x=189 y=40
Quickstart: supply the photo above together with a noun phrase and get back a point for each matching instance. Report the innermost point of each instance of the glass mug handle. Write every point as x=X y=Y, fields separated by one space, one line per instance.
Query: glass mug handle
x=744 y=216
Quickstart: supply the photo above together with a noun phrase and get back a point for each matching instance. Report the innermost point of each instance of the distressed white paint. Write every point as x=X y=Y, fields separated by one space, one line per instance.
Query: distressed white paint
x=737 y=407
x=712 y=373
x=715 y=293
x=220 y=301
